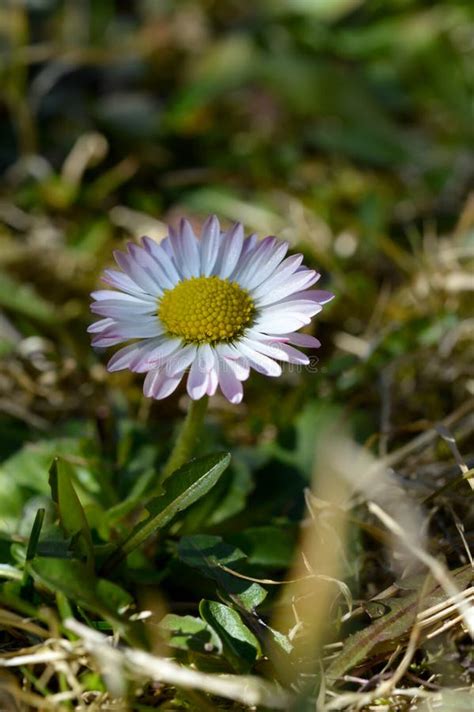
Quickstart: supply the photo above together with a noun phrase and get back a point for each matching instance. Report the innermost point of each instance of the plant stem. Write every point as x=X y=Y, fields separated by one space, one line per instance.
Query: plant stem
x=187 y=437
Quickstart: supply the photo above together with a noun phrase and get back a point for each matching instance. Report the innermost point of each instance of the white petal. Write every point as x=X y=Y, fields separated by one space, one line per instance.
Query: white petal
x=181 y=360
x=250 y=243
x=229 y=253
x=140 y=276
x=318 y=296
x=234 y=360
x=206 y=357
x=145 y=327
x=264 y=268
x=280 y=323
x=229 y=384
x=305 y=340
x=259 y=362
x=156 y=357
x=227 y=351
x=198 y=381
x=240 y=368
x=98 y=326
x=161 y=257
x=210 y=240
x=186 y=250
x=122 y=358
x=101 y=295
x=103 y=342
x=253 y=260
x=299 y=308
x=295 y=356
x=151 y=266
x=294 y=283
x=289 y=266
x=121 y=281
x=260 y=262
x=159 y=385
x=130 y=355
x=119 y=309
x=213 y=382
x=167 y=245
x=274 y=350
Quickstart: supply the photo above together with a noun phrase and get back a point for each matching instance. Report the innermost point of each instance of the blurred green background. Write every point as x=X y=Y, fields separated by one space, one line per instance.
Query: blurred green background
x=341 y=125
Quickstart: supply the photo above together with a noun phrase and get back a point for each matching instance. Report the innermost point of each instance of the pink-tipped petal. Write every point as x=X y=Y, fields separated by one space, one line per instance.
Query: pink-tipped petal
x=229 y=384
x=229 y=253
x=305 y=340
x=280 y=323
x=295 y=283
x=140 y=276
x=210 y=241
x=295 y=356
x=213 y=382
x=155 y=355
x=151 y=267
x=186 y=249
x=99 y=326
x=159 y=385
x=120 y=280
x=198 y=381
x=122 y=358
x=181 y=359
x=161 y=257
x=262 y=364
x=119 y=309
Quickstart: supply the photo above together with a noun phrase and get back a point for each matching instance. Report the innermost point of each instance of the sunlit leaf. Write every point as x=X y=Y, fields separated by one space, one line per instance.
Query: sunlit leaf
x=240 y=646
x=190 y=633
x=185 y=486
x=216 y=559
x=71 y=514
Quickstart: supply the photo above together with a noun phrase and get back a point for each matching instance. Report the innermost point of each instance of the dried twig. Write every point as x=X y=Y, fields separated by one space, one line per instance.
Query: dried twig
x=245 y=689
x=437 y=570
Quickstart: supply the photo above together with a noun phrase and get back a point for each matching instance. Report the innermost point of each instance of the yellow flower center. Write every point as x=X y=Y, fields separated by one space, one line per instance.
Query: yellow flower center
x=206 y=310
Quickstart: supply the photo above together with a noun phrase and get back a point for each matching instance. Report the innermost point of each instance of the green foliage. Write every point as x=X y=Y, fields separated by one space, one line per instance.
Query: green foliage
x=71 y=514
x=217 y=560
x=240 y=646
x=189 y=633
x=188 y=484
x=74 y=580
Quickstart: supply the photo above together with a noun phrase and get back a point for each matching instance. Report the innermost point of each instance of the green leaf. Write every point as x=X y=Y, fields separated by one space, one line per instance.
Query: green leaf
x=210 y=554
x=190 y=633
x=240 y=647
x=396 y=624
x=71 y=514
x=140 y=486
x=35 y=535
x=78 y=583
x=227 y=499
x=235 y=488
x=188 y=484
x=270 y=545
x=24 y=475
x=281 y=639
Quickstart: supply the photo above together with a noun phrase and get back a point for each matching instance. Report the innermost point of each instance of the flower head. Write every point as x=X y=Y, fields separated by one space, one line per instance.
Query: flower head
x=217 y=307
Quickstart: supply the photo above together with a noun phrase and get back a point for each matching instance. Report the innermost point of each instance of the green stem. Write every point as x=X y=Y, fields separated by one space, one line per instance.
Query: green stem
x=187 y=437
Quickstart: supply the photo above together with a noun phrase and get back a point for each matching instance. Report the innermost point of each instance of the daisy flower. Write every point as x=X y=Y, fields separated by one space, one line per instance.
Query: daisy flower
x=212 y=308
